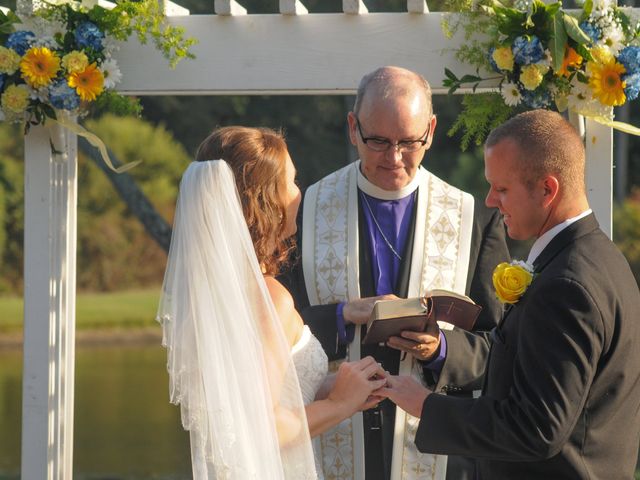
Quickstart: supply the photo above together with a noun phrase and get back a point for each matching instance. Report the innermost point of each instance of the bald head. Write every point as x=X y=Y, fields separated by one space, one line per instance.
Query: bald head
x=390 y=84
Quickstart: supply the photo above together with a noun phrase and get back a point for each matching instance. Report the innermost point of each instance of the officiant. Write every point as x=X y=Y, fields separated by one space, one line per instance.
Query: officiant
x=381 y=227
x=561 y=394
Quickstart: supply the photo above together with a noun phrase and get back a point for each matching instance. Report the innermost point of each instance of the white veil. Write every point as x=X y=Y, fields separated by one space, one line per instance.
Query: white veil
x=229 y=364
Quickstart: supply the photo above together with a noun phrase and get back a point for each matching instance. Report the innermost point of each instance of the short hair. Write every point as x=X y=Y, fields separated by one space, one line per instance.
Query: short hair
x=384 y=81
x=257 y=157
x=548 y=144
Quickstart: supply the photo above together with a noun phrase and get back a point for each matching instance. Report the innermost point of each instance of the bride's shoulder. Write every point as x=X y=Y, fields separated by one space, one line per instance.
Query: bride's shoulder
x=279 y=294
x=285 y=307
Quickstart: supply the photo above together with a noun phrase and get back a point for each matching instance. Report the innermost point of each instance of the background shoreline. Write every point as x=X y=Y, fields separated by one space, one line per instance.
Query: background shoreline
x=98 y=337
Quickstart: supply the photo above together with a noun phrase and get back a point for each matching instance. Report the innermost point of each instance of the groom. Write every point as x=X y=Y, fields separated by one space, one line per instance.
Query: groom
x=561 y=395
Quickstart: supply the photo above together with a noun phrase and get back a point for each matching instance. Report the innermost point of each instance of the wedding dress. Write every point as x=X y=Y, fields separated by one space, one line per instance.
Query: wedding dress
x=230 y=366
x=312 y=367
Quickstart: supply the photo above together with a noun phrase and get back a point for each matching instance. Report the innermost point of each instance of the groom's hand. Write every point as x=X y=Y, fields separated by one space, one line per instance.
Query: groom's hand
x=424 y=346
x=358 y=311
x=405 y=392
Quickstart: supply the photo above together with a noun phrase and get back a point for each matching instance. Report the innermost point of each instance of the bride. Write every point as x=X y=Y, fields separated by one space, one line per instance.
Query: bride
x=250 y=377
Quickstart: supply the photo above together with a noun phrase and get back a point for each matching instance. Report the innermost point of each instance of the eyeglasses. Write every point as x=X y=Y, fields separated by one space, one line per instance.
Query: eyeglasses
x=378 y=144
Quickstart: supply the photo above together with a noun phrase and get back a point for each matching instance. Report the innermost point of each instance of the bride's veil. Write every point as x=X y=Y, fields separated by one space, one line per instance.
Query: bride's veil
x=229 y=364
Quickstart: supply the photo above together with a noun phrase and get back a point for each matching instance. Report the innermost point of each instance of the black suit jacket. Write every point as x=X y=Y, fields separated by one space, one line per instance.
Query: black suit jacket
x=488 y=248
x=561 y=396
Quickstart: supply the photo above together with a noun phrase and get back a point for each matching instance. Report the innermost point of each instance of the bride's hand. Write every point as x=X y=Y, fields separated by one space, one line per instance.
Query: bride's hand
x=354 y=383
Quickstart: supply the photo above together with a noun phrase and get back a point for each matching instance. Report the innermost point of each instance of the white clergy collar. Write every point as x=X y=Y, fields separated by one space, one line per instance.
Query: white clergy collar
x=544 y=239
x=376 y=192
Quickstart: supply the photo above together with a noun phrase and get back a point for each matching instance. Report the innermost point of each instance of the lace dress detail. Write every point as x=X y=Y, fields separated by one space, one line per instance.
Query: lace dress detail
x=311 y=366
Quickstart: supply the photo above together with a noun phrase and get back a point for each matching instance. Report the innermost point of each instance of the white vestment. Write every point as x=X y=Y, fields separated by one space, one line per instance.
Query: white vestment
x=330 y=256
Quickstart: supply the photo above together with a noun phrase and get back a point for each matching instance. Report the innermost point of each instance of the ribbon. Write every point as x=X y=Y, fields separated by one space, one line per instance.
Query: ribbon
x=94 y=140
x=622 y=126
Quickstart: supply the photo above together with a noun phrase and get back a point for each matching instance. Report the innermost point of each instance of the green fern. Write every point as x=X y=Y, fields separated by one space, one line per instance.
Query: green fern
x=480 y=114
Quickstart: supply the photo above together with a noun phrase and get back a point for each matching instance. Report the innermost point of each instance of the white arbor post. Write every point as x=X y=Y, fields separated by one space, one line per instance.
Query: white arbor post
x=599 y=172
x=49 y=307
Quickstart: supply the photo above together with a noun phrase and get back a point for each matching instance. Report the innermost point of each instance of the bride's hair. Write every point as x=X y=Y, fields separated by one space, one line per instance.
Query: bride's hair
x=257 y=157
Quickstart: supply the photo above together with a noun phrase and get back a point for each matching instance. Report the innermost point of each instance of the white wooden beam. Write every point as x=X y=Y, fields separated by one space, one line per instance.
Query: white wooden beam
x=292 y=7
x=284 y=54
x=228 y=7
x=171 y=9
x=417 y=6
x=49 y=307
x=355 y=7
x=599 y=172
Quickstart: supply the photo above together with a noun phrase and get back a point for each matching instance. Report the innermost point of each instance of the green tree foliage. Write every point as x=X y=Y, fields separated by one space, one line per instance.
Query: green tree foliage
x=626 y=231
x=11 y=207
x=315 y=126
x=114 y=251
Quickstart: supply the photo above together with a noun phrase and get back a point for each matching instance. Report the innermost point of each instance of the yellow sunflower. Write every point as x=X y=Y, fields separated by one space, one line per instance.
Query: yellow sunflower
x=39 y=66
x=606 y=83
x=88 y=83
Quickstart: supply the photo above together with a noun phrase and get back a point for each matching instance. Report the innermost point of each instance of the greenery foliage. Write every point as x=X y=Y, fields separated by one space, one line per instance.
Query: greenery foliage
x=12 y=207
x=537 y=55
x=125 y=309
x=110 y=239
x=481 y=113
x=114 y=251
x=626 y=231
x=61 y=56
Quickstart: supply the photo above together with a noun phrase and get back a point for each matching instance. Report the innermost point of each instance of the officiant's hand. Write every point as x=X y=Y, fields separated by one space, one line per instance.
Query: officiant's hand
x=358 y=311
x=424 y=346
x=406 y=392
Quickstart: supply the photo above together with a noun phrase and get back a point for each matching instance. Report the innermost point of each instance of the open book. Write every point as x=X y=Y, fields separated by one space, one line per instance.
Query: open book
x=390 y=317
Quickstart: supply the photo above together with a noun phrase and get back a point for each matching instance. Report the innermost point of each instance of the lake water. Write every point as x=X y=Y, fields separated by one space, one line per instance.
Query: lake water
x=125 y=427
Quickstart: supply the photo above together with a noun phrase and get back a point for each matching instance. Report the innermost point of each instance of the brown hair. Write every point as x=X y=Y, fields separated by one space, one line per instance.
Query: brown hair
x=257 y=157
x=548 y=144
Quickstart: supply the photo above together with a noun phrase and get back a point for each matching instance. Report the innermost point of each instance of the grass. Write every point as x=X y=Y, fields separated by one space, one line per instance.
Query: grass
x=117 y=310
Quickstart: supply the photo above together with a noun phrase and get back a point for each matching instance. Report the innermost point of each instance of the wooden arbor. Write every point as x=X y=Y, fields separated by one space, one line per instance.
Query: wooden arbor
x=288 y=52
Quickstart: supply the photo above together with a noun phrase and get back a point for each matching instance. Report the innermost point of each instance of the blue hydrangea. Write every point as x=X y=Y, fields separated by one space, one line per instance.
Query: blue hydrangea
x=20 y=41
x=593 y=32
x=630 y=58
x=539 y=98
x=633 y=86
x=89 y=35
x=527 y=51
x=62 y=96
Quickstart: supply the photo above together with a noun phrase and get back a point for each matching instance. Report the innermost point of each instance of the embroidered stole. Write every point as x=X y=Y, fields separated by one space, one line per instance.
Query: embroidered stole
x=330 y=260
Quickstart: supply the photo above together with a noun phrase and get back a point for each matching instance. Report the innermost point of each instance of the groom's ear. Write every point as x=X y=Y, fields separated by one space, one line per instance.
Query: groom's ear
x=551 y=187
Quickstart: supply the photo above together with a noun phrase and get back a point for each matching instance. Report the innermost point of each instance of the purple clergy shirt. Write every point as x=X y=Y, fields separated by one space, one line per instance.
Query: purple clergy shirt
x=388 y=219
x=393 y=219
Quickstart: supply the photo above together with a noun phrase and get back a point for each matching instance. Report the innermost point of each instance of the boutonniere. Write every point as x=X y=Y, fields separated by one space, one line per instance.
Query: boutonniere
x=511 y=280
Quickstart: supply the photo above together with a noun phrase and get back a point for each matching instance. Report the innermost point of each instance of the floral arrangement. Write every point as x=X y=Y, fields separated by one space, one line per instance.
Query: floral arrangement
x=511 y=280
x=586 y=61
x=60 y=57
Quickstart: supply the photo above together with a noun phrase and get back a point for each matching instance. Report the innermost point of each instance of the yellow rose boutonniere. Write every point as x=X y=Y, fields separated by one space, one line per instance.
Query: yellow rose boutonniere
x=511 y=280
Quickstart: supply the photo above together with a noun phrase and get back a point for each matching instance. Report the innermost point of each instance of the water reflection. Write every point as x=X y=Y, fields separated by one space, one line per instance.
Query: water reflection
x=125 y=427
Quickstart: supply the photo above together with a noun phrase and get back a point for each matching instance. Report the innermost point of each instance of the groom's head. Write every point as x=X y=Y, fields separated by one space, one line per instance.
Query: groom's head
x=534 y=164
